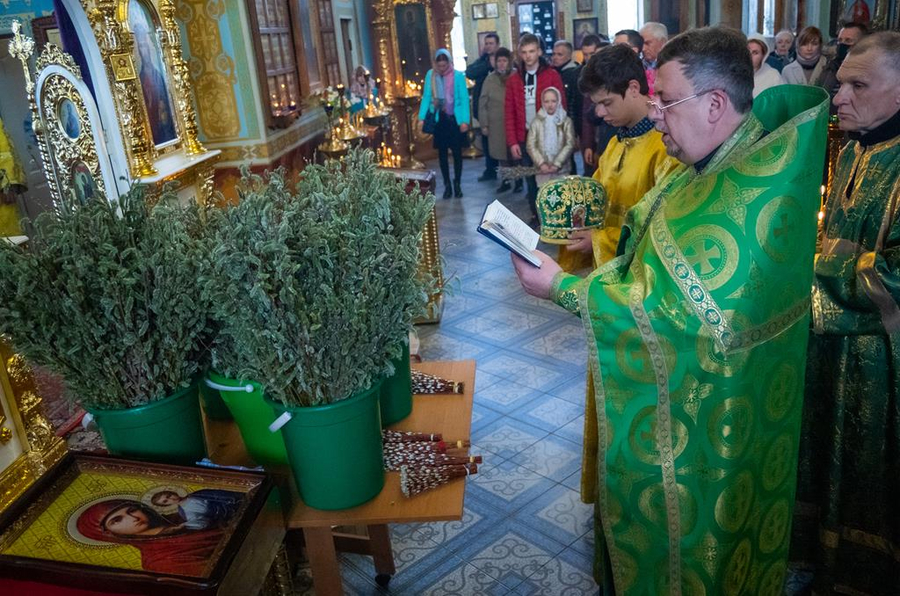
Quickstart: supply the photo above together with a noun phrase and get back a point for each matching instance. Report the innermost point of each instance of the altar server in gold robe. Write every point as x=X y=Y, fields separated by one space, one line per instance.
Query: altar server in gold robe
x=635 y=158
x=12 y=181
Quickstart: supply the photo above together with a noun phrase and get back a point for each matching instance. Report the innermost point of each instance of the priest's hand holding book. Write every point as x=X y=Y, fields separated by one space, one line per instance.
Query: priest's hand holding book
x=534 y=268
x=536 y=280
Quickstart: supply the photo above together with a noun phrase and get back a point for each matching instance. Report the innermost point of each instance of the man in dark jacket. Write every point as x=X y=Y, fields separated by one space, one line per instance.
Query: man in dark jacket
x=569 y=71
x=478 y=72
x=523 y=100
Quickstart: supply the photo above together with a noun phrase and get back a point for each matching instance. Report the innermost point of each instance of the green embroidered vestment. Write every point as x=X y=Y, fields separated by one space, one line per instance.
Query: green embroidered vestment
x=847 y=524
x=697 y=335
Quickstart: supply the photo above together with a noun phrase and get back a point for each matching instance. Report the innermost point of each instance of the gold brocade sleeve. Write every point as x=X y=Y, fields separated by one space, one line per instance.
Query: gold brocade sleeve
x=857 y=295
x=564 y=291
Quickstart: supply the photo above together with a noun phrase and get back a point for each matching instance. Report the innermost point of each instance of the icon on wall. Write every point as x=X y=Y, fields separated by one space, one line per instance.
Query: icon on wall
x=583 y=28
x=67 y=114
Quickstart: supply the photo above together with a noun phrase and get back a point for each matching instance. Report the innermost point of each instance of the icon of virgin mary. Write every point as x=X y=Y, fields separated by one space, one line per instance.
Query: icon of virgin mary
x=165 y=547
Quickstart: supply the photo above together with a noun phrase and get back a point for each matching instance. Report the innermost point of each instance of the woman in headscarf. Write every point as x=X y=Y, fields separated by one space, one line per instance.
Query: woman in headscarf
x=445 y=100
x=551 y=138
x=809 y=67
x=165 y=547
x=491 y=106
x=362 y=84
x=764 y=76
x=783 y=54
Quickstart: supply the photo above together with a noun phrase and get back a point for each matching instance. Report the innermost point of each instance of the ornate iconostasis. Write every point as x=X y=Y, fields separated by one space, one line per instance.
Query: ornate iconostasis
x=116 y=108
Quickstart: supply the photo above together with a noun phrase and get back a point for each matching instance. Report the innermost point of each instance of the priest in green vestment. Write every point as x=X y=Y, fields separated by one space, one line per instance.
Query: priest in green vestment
x=697 y=332
x=847 y=522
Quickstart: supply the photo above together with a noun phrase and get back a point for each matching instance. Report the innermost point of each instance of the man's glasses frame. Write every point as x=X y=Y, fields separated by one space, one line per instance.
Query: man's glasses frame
x=663 y=107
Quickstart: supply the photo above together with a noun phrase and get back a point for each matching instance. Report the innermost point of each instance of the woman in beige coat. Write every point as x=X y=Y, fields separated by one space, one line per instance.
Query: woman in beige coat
x=551 y=138
x=490 y=111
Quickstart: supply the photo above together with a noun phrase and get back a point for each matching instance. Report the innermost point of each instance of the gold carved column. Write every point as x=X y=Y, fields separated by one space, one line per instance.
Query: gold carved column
x=181 y=77
x=384 y=48
x=40 y=446
x=108 y=18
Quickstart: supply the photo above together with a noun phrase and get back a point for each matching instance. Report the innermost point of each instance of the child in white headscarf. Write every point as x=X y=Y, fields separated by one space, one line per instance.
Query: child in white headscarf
x=551 y=138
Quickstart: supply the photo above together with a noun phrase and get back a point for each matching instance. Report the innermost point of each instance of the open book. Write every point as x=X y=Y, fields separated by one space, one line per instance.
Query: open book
x=502 y=226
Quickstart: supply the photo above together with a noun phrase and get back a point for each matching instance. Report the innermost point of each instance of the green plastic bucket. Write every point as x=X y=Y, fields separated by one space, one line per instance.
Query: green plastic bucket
x=213 y=405
x=396 y=391
x=252 y=416
x=335 y=450
x=168 y=430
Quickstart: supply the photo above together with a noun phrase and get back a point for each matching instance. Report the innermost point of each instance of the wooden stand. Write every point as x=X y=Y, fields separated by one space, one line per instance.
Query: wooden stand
x=450 y=415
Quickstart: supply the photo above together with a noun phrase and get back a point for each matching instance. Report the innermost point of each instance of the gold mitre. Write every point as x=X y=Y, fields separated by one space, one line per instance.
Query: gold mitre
x=568 y=204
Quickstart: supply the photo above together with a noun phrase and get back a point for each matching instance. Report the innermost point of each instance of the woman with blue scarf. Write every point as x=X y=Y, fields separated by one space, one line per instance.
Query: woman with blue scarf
x=445 y=100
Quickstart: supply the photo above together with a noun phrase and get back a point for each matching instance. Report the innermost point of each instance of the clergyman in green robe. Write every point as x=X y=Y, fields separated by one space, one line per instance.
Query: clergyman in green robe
x=847 y=522
x=697 y=332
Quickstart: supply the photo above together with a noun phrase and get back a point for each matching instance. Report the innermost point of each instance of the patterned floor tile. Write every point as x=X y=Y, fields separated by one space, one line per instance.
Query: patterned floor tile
x=585 y=544
x=484 y=379
x=506 y=396
x=565 y=343
x=506 y=437
x=522 y=369
x=507 y=487
x=571 y=389
x=441 y=346
x=573 y=480
x=526 y=299
x=553 y=457
x=510 y=552
x=356 y=583
x=458 y=304
x=411 y=556
x=461 y=268
x=478 y=516
x=559 y=514
x=573 y=430
x=547 y=412
x=482 y=416
x=568 y=574
x=500 y=325
x=453 y=577
x=500 y=281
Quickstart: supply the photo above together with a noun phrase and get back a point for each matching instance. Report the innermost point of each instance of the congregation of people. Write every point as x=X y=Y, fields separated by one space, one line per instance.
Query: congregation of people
x=723 y=341
x=521 y=123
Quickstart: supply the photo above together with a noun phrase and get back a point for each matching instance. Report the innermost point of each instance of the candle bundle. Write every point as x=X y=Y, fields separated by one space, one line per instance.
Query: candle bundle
x=397 y=459
x=423 y=383
x=399 y=436
x=424 y=459
x=415 y=480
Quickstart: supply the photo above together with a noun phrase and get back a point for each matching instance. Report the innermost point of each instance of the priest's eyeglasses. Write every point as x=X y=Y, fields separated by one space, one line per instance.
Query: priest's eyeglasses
x=662 y=107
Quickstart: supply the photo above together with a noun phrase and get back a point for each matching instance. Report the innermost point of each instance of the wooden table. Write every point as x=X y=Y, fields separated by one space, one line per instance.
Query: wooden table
x=450 y=415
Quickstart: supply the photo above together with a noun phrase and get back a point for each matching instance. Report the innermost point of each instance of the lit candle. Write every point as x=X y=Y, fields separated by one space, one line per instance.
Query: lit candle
x=821 y=203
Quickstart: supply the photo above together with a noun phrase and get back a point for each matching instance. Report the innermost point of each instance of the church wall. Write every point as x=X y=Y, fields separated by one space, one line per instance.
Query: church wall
x=24 y=11
x=502 y=25
x=365 y=34
x=222 y=68
x=220 y=54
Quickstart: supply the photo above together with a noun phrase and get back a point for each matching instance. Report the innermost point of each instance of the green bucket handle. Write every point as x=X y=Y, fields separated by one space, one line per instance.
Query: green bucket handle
x=248 y=388
x=279 y=422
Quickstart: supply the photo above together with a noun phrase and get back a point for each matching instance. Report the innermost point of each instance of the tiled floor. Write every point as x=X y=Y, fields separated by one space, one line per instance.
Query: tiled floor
x=525 y=530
